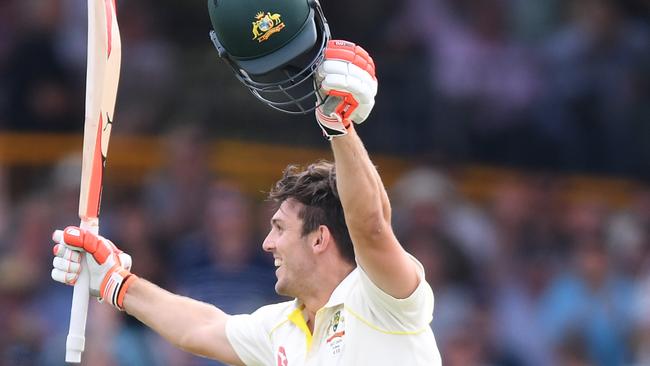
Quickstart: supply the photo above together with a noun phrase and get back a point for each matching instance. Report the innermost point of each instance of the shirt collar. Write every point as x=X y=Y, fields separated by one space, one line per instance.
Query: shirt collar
x=339 y=294
x=341 y=291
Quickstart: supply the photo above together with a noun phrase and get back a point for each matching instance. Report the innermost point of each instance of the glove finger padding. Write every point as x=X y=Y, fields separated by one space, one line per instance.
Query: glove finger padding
x=346 y=85
x=62 y=251
x=349 y=52
x=346 y=76
x=65 y=265
x=108 y=266
x=65 y=278
x=100 y=248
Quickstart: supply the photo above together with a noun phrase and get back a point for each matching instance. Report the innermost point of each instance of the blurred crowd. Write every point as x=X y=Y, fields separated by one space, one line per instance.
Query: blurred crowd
x=551 y=84
x=537 y=83
x=525 y=276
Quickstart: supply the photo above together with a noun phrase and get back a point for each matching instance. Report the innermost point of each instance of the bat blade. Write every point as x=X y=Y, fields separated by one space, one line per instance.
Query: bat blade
x=104 y=59
x=102 y=77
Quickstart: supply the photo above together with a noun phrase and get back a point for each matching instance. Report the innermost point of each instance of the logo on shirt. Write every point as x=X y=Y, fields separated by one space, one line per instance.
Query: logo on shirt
x=282 y=357
x=335 y=333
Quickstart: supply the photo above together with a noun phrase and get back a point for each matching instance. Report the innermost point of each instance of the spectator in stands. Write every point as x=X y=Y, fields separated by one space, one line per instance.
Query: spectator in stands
x=425 y=199
x=522 y=210
x=590 y=299
x=592 y=66
x=482 y=81
x=41 y=88
x=178 y=190
x=223 y=248
x=4 y=205
x=220 y=263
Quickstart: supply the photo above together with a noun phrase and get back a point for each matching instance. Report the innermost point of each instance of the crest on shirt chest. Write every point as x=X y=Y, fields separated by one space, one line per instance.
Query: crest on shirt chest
x=336 y=333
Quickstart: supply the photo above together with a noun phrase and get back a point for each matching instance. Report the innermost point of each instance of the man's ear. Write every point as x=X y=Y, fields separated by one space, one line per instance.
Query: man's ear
x=322 y=239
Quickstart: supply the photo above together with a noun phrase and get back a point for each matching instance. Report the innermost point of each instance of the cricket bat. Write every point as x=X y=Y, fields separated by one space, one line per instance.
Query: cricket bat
x=102 y=77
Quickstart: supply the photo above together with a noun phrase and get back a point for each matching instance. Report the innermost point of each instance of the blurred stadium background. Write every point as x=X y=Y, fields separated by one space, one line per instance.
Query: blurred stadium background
x=514 y=136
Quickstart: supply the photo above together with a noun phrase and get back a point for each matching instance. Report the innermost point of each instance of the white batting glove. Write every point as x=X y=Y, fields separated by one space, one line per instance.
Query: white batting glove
x=347 y=87
x=108 y=266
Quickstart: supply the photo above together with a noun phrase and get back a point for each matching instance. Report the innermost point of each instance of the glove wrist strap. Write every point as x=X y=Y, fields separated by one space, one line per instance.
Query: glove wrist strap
x=332 y=126
x=115 y=285
x=128 y=281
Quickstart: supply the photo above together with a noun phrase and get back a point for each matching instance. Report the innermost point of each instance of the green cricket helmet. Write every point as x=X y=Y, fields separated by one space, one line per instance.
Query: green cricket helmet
x=273 y=46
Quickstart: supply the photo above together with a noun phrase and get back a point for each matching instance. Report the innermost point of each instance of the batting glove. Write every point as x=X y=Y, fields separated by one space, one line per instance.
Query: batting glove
x=108 y=266
x=347 y=86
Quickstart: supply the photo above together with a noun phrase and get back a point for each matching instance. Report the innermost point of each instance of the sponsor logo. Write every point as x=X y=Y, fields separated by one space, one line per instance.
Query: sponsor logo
x=282 y=357
x=266 y=25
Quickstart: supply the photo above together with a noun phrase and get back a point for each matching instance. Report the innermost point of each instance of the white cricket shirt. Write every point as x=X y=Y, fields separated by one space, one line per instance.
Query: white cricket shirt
x=360 y=325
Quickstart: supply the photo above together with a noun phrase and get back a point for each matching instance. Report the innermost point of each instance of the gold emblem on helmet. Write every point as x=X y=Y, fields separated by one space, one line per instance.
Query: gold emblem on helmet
x=265 y=25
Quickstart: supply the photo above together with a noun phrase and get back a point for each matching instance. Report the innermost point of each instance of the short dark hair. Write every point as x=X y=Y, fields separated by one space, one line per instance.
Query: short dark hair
x=315 y=188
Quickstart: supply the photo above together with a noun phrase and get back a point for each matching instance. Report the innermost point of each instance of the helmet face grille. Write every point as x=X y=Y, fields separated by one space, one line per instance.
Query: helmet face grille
x=291 y=88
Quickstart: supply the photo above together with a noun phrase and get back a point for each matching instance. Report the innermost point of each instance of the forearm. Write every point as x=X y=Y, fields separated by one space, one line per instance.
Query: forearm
x=362 y=193
x=174 y=317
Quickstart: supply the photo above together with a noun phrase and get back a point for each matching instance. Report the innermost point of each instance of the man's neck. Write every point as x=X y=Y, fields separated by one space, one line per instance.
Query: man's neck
x=322 y=293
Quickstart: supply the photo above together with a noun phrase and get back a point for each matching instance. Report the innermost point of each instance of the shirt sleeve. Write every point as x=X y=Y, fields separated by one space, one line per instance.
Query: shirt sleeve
x=250 y=338
x=410 y=315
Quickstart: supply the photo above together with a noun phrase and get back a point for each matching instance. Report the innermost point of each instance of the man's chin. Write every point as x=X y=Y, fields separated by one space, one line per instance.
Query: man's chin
x=281 y=289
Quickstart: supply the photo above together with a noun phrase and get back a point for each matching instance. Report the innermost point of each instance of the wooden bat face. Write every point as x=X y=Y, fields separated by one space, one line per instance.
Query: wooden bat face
x=102 y=77
x=103 y=73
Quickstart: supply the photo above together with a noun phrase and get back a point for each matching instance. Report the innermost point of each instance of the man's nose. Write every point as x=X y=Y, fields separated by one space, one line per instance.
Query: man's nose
x=268 y=243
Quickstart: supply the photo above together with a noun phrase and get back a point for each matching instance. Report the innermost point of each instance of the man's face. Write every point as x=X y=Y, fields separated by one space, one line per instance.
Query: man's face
x=292 y=253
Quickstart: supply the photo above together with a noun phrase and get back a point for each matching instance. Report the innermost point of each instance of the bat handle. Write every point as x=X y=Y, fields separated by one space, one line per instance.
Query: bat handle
x=76 y=340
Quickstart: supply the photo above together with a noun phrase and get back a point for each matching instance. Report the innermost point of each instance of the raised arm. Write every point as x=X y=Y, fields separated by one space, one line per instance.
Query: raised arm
x=188 y=324
x=349 y=84
x=368 y=217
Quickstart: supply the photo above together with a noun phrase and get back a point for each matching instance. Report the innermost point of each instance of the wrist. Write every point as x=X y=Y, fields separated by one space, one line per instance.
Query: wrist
x=332 y=124
x=115 y=285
